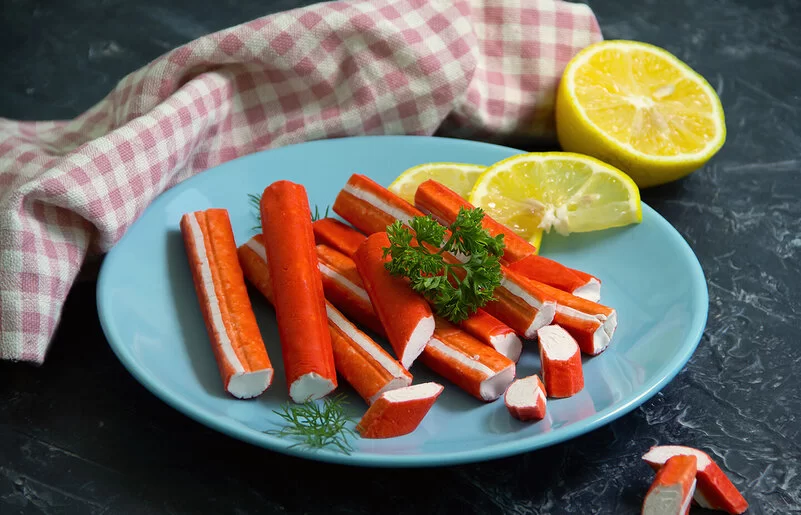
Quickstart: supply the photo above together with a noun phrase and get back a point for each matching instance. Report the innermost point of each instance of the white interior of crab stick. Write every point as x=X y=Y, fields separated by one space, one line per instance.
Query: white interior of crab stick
x=417 y=341
x=603 y=335
x=556 y=343
x=525 y=393
x=249 y=384
x=309 y=387
x=668 y=500
x=377 y=203
x=413 y=392
x=659 y=455
x=495 y=383
x=590 y=291
x=508 y=344
x=545 y=310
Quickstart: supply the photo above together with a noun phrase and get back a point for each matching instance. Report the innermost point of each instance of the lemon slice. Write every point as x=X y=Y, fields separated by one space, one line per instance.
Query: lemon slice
x=557 y=190
x=639 y=108
x=459 y=177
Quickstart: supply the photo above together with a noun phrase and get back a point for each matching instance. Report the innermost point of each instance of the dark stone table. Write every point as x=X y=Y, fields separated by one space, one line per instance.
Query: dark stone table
x=80 y=435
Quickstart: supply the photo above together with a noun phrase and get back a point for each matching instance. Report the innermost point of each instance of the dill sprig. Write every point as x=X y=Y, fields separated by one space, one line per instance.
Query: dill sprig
x=255 y=201
x=317 y=425
x=456 y=290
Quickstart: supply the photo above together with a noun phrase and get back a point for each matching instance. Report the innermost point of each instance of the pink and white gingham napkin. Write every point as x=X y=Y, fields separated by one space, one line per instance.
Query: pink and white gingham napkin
x=69 y=189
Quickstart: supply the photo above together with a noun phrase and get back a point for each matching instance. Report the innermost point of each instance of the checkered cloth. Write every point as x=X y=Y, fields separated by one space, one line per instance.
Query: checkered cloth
x=70 y=189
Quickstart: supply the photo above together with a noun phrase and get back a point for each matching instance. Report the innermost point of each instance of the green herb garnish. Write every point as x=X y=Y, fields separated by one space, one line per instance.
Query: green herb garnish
x=456 y=290
x=317 y=425
x=255 y=201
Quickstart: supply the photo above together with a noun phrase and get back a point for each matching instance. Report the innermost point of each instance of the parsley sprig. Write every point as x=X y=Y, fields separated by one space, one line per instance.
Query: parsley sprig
x=456 y=290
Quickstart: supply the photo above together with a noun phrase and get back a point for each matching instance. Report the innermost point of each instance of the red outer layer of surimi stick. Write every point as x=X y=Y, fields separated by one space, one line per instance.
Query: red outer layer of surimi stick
x=336 y=235
x=474 y=367
x=344 y=288
x=398 y=412
x=370 y=207
x=672 y=489
x=714 y=490
x=405 y=314
x=520 y=305
x=236 y=341
x=494 y=333
x=525 y=398
x=590 y=323
x=364 y=364
x=443 y=205
x=298 y=291
x=561 y=362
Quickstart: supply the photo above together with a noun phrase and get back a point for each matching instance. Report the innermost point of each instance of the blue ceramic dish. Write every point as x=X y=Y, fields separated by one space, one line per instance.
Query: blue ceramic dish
x=151 y=318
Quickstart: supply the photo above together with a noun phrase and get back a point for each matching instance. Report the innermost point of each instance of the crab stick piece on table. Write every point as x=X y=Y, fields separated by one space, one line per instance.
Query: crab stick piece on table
x=714 y=490
x=672 y=489
x=370 y=207
x=560 y=358
x=476 y=368
x=298 y=291
x=336 y=235
x=525 y=399
x=219 y=283
x=405 y=314
x=363 y=363
x=398 y=412
x=443 y=204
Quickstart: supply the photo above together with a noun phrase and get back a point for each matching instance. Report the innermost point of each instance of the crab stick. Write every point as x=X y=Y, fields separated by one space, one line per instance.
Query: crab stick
x=560 y=359
x=525 y=398
x=494 y=333
x=344 y=288
x=298 y=291
x=476 y=368
x=672 y=489
x=714 y=490
x=443 y=204
x=590 y=323
x=338 y=236
x=405 y=314
x=398 y=412
x=363 y=363
x=370 y=207
x=520 y=306
x=236 y=341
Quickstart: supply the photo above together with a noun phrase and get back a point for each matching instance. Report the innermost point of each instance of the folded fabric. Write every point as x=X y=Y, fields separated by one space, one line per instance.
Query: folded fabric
x=70 y=189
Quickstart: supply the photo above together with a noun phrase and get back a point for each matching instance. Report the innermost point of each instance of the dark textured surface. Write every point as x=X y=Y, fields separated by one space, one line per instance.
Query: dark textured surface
x=80 y=435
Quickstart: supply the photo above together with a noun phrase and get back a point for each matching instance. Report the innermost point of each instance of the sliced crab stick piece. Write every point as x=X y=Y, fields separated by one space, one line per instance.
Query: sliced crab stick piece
x=520 y=305
x=443 y=204
x=338 y=236
x=672 y=489
x=405 y=314
x=476 y=368
x=560 y=358
x=590 y=323
x=298 y=291
x=363 y=363
x=344 y=288
x=370 y=207
x=494 y=333
x=236 y=341
x=525 y=398
x=398 y=412
x=714 y=490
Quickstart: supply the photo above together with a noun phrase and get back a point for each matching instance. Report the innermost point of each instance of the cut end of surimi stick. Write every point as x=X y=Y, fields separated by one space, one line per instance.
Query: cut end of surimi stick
x=508 y=344
x=602 y=336
x=398 y=412
x=672 y=490
x=714 y=490
x=249 y=384
x=417 y=341
x=590 y=291
x=525 y=399
x=544 y=317
x=310 y=387
x=493 y=387
x=561 y=362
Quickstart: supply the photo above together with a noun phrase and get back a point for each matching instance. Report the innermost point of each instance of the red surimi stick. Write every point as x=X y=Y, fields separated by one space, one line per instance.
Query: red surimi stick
x=405 y=314
x=521 y=306
x=343 y=286
x=298 y=291
x=561 y=362
x=672 y=489
x=714 y=490
x=367 y=367
x=443 y=204
x=236 y=341
x=476 y=368
x=336 y=235
x=494 y=333
x=398 y=412
x=525 y=399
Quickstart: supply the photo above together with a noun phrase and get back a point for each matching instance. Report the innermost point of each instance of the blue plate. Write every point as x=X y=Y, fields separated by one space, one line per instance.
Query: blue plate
x=151 y=318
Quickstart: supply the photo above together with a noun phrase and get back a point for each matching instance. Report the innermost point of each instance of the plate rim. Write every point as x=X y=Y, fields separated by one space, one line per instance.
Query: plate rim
x=234 y=429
